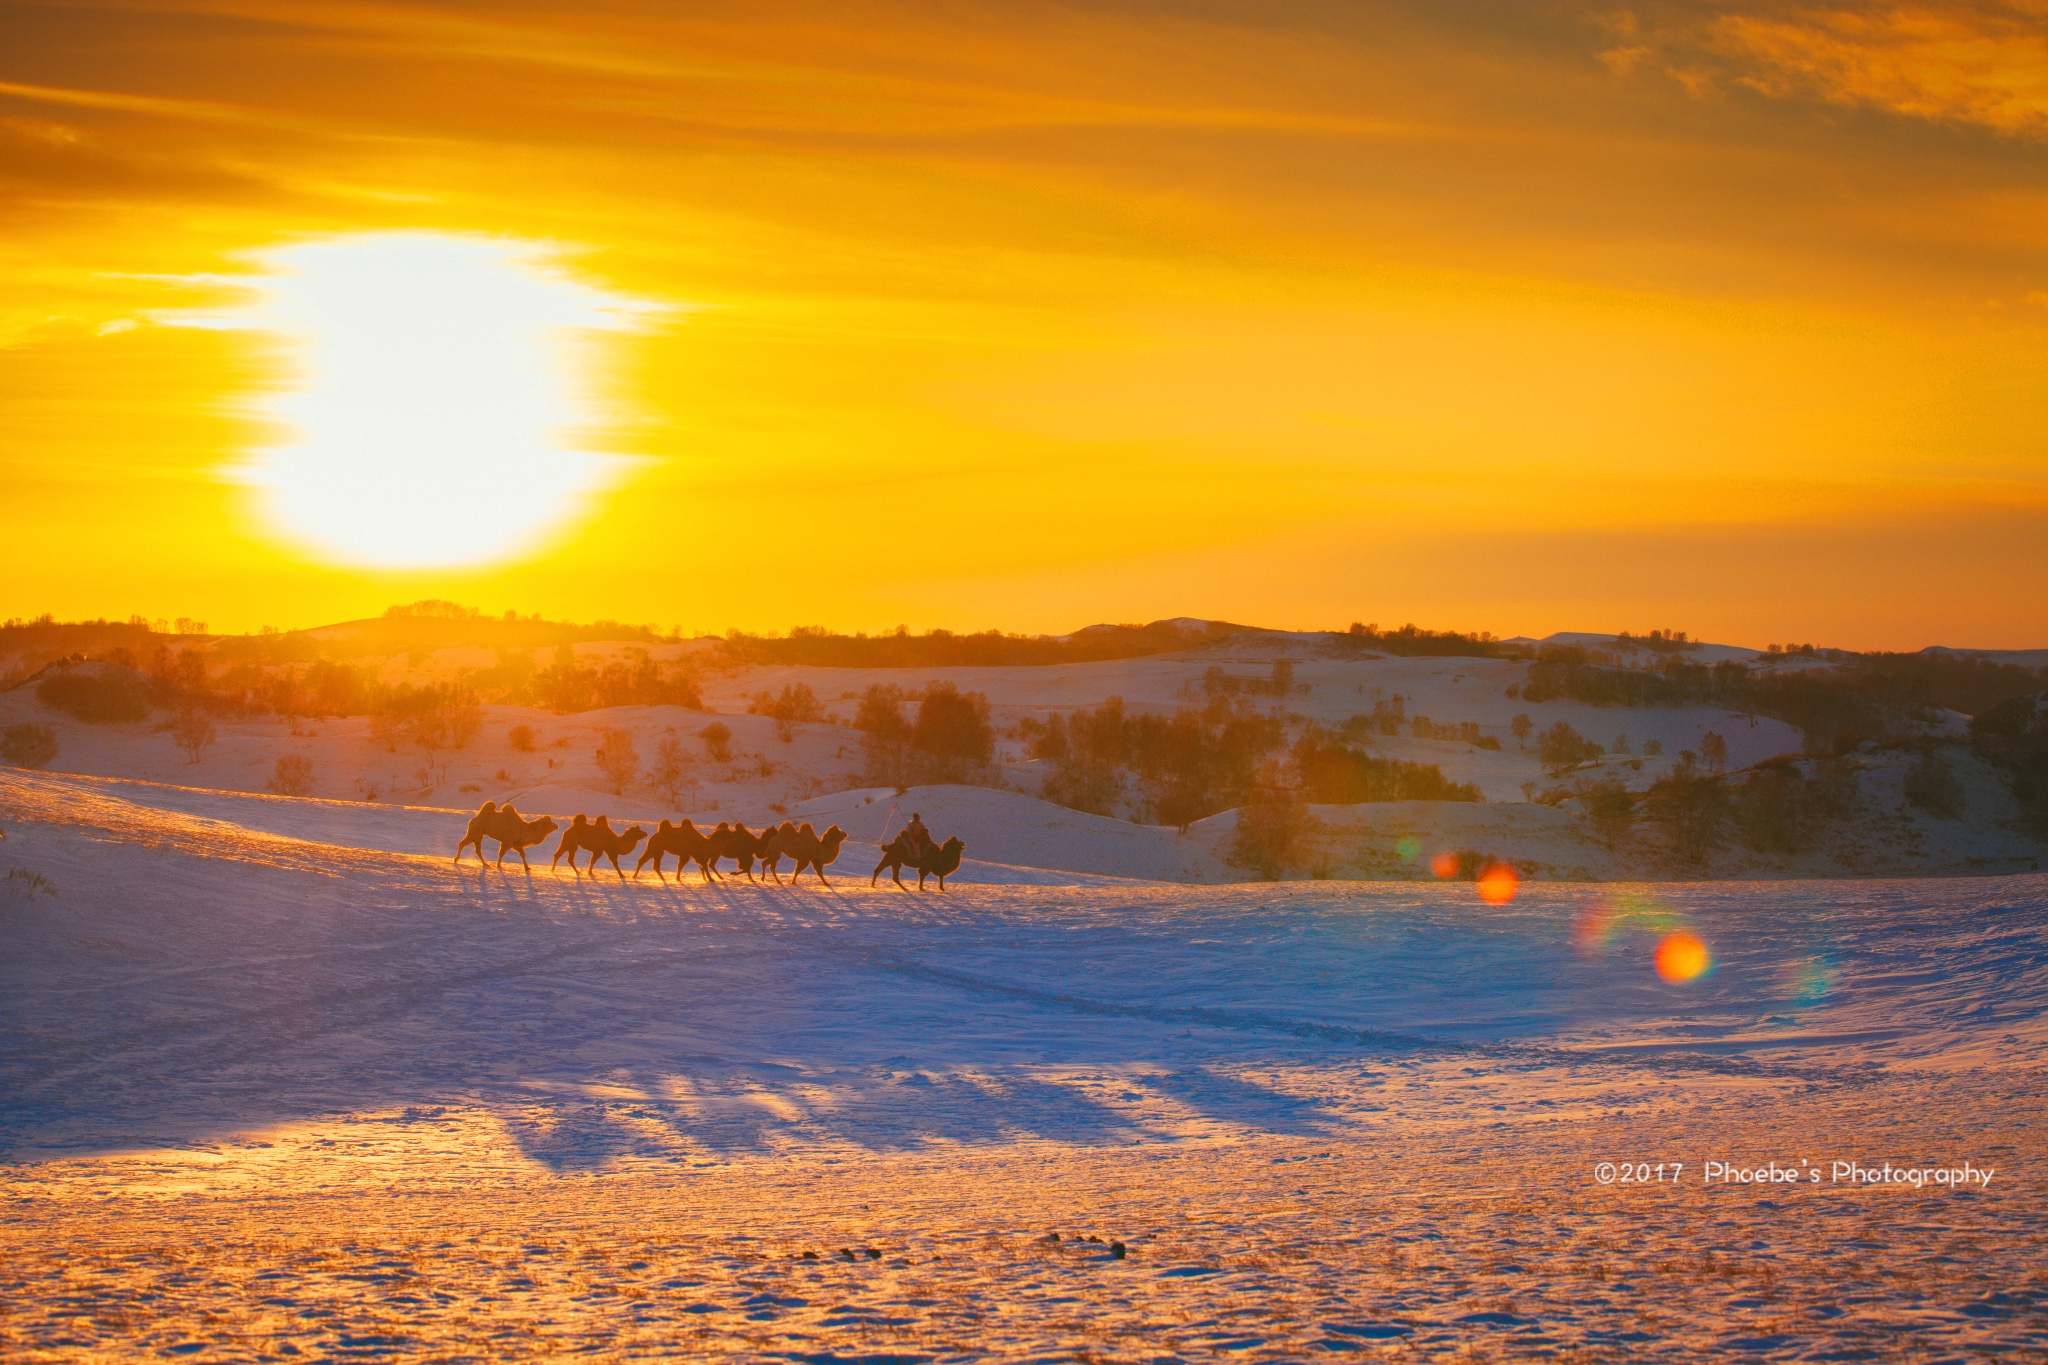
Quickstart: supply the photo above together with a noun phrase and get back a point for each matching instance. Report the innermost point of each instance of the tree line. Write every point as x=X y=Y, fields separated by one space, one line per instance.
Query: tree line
x=1861 y=697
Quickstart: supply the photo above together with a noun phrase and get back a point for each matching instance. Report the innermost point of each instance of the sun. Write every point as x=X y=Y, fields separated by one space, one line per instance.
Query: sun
x=438 y=385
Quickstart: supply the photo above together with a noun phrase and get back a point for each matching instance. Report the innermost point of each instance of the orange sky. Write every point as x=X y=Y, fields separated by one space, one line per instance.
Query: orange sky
x=1516 y=317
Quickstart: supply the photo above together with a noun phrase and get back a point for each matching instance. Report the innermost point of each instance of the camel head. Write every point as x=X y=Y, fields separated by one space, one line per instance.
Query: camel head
x=833 y=835
x=632 y=835
x=945 y=859
x=546 y=826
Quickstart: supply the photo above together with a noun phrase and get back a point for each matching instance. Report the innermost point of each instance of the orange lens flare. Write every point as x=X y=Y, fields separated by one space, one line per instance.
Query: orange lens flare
x=1445 y=865
x=1683 y=957
x=1499 y=883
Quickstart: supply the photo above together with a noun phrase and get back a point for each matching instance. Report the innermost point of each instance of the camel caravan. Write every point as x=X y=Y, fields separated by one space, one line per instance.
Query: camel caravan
x=912 y=850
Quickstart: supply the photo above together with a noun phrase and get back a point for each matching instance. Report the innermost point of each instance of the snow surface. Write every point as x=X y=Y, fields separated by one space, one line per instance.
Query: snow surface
x=283 y=1082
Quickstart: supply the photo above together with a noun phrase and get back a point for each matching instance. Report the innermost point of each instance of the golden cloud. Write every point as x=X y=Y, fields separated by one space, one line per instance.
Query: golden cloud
x=1975 y=64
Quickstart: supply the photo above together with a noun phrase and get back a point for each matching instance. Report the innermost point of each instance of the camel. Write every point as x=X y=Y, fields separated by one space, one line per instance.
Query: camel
x=609 y=843
x=514 y=833
x=479 y=830
x=813 y=850
x=666 y=839
x=685 y=840
x=775 y=846
x=939 y=860
x=572 y=840
x=742 y=846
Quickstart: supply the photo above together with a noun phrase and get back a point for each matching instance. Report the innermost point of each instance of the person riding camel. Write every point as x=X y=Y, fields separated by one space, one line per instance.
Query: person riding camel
x=916 y=830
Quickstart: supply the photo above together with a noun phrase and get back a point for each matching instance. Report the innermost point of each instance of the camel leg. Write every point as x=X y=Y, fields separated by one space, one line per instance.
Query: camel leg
x=896 y=871
x=615 y=865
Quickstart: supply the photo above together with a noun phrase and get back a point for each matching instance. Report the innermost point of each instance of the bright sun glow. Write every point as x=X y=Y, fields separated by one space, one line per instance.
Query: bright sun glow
x=440 y=384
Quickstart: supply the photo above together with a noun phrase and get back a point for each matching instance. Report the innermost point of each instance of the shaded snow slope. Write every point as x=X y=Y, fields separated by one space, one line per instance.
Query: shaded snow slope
x=192 y=971
x=273 y=1090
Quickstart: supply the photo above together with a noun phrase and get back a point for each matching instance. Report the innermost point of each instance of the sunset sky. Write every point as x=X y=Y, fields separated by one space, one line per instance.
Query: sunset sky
x=1520 y=317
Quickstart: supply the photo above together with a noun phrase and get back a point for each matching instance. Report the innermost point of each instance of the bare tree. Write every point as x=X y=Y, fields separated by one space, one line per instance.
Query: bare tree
x=1713 y=752
x=1522 y=726
x=618 y=760
x=28 y=746
x=194 y=734
x=717 y=741
x=293 y=775
x=671 y=771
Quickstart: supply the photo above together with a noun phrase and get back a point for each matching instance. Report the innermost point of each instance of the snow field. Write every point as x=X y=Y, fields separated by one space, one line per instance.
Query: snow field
x=273 y=1095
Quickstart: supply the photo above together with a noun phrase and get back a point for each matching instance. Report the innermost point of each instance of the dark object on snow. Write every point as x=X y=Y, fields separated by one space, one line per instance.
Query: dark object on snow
x=941 y=861
x=1116 y=1251
x=810 y=1255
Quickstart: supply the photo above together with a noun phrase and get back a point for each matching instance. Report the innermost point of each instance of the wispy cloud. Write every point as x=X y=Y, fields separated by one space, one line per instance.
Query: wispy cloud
x=1969 y=62
x=1962 y=63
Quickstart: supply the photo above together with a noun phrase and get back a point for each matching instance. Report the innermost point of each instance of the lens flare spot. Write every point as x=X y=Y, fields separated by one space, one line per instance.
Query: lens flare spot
x=1602 y=923
x=1499 y=883
x=1683 y=957
x=1808 y=982
x=1445 y=865
x=1410 y=849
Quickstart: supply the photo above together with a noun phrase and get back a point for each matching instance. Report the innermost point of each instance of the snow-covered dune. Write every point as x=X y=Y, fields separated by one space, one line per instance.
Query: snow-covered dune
x=177 y=933
x=276 y=1074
